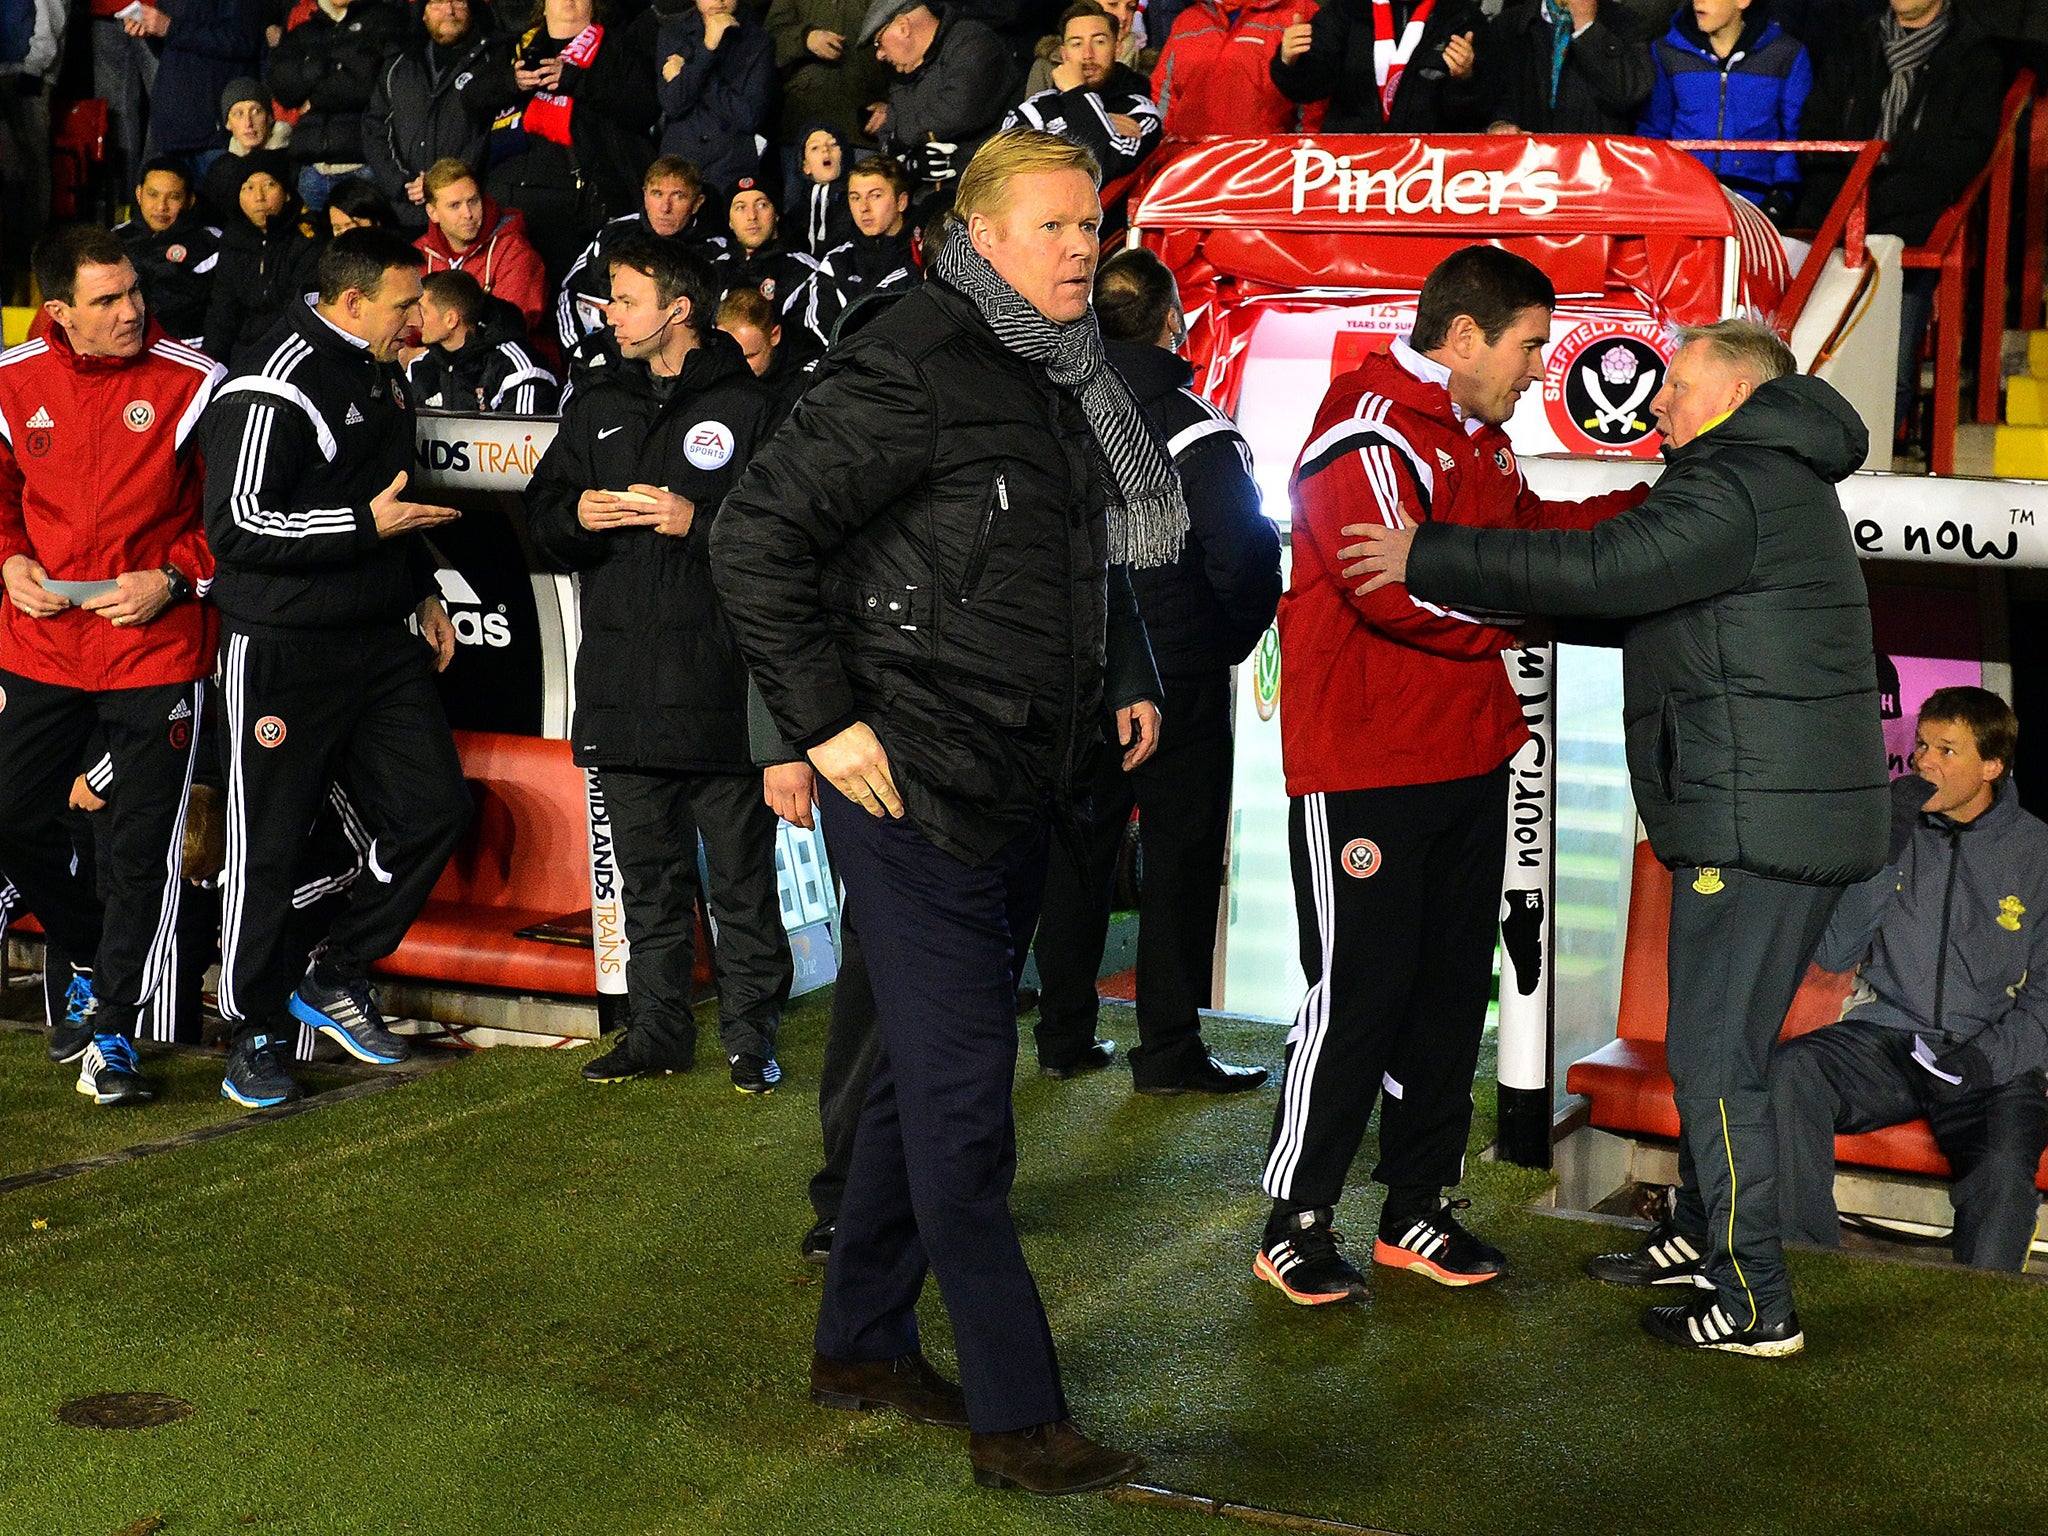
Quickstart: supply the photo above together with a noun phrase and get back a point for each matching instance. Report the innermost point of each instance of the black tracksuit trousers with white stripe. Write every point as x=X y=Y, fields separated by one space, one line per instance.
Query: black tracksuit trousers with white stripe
x=126 y=929
x=301 y=707
x=1398 y=896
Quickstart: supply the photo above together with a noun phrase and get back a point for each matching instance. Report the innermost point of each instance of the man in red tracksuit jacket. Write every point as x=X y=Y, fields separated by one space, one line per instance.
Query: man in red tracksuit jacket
x=104 y=558
x=1397 y=723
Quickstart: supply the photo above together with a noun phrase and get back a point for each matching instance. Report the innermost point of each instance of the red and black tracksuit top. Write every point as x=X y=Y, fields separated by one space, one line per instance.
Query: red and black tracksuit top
x=99 y=475
x=1386 y=689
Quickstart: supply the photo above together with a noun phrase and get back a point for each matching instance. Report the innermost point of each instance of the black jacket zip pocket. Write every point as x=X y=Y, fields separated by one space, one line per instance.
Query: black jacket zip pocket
x=977 y=558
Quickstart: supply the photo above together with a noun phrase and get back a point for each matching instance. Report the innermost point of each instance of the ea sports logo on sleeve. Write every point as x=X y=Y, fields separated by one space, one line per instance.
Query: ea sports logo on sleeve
x=709 y=445
x=1360 y=858
x=1599 y=385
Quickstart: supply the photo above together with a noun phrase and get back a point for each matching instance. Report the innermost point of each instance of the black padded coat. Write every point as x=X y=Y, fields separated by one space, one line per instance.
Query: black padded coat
x=1749 y=682
x=922 y=547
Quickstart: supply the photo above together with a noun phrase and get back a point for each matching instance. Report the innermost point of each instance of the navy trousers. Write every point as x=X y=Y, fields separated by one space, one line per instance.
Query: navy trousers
x=936 y=1151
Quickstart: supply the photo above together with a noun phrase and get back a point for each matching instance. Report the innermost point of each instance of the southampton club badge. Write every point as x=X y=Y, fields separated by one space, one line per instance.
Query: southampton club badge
x=1599 y=385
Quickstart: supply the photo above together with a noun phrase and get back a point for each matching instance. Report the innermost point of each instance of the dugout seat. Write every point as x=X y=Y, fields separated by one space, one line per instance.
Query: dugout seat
x=1625 y=1079
x=525 y=861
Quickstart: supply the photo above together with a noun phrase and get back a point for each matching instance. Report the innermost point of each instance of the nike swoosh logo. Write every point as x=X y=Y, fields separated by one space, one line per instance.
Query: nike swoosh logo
x=605 y=432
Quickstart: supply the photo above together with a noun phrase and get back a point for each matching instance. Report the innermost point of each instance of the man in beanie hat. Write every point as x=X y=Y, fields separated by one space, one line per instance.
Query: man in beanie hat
x=758 y=258
x=268 y=256
x=246 y=114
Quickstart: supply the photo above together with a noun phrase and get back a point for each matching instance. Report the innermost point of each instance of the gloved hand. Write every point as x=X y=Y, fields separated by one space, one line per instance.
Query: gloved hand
x=1778 y=208
x=932 y=162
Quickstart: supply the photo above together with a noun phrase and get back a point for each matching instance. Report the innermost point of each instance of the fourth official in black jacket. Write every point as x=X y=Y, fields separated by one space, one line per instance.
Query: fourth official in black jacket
x=661 y=691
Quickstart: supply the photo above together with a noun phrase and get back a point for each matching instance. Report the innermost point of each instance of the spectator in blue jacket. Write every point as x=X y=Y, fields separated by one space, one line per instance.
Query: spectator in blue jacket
x=1727 y=70
x=717 y=89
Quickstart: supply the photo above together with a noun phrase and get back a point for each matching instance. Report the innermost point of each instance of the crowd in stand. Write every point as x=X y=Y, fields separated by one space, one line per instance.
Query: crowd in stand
x=517 y=145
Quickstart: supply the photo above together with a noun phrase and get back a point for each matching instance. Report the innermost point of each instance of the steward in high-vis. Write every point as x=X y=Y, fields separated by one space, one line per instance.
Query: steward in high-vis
x=1755 y=753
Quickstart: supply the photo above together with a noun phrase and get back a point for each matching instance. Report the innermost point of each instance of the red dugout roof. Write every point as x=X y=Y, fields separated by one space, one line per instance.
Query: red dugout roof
x=1632 y=223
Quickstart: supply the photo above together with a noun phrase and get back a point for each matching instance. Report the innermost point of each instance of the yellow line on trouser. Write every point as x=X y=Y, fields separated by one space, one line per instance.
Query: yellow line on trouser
x=1728 y=1147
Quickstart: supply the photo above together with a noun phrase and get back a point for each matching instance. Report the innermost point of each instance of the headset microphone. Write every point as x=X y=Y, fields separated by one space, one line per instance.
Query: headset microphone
x=665 y=324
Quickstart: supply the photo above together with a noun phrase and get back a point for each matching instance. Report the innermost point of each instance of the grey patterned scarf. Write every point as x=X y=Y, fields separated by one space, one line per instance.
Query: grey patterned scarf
x=1905 y=51
x=1148 y=517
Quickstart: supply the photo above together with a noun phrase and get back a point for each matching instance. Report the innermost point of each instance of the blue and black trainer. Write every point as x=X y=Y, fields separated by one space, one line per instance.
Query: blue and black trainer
x=109 y=1073
x=259 y=1073
x=349 y=1016
x=755 y=1074
x=73 y=1033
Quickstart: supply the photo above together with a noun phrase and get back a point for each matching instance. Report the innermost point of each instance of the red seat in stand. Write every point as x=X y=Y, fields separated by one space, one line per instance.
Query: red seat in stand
x=1626 y=1081
x=526 y=860
x=78 y=145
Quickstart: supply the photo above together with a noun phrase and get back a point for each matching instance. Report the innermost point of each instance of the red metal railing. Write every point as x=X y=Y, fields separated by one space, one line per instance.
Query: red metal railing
x=2034 y=234
x=1946 y=252
x=1847 y=223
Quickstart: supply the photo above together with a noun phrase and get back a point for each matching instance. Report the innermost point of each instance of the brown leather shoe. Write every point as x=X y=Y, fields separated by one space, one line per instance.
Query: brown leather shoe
x=1049 y=1459
x=908 y=1384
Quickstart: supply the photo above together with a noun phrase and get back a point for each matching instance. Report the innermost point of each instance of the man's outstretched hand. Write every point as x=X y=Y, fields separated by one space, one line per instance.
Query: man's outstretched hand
x=395 y=515
x=1381 y=556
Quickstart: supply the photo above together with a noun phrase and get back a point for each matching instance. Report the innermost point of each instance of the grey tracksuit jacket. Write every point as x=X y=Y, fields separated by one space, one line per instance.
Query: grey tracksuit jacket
x=1953 y=933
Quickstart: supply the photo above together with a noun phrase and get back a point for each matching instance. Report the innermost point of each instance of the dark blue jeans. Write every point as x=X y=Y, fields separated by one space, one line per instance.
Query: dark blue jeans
x=933 y=1160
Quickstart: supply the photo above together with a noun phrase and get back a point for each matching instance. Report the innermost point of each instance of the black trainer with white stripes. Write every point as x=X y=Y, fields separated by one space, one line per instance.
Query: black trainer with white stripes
x=1667 y=1257
x=1302 y=1261
x=1703 y=1323
x=1437 y=1246
x=109 y=1073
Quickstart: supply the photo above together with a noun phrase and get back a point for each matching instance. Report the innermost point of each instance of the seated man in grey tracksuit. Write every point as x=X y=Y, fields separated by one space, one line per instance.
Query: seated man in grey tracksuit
x=1950 y=1018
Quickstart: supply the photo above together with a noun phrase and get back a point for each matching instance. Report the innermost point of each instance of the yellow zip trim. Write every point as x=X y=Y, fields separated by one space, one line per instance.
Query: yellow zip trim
x=1728 y=1147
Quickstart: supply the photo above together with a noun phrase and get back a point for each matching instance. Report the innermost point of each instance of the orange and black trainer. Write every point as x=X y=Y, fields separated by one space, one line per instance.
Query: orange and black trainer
x=1300 y=1259
x=1436 y=1246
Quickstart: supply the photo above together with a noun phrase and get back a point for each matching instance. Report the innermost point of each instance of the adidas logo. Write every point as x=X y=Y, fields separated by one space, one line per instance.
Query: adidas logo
x=1445 y=460
x=1710 y=1327
x=1677 y=1251
x=183 y=711
x=354 y=418
x=41 y=418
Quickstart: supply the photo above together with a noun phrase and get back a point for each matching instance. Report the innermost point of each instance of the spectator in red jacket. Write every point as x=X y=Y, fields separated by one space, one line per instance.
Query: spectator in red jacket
x=469 y=232
x=103 y=555
x=1214 y=75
